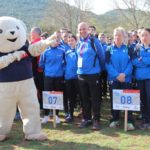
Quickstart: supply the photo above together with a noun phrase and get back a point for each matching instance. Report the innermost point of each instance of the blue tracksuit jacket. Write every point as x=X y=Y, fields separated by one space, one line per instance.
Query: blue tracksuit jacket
x=71 y=64
x=88 y=56
x=118 y=61
x=52 y=61
x=142 y=67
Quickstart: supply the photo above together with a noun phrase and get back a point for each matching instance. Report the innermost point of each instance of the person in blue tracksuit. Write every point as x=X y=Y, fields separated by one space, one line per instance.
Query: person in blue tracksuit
x=90 y=64
x=102 y=39
x=141 y=62
x=131 y=42
x=71 y=79
x=132 y=45
x=64 y=41
x=52 y=63
x=119 y=69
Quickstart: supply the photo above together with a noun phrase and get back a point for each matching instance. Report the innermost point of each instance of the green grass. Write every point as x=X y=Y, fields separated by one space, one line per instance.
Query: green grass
x=70 y=137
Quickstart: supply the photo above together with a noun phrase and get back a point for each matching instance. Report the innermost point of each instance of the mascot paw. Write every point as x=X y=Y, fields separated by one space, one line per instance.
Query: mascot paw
x=19 y=55
x=2 y=138
x=52 y=43
x=37 y=137
x=53 y=40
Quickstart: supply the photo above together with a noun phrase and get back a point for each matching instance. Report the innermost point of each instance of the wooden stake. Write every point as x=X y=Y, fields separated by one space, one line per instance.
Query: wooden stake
x=125 y=120
x=54 y=118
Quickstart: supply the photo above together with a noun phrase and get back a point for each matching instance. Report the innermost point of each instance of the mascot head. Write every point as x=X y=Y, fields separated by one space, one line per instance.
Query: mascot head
x=12 y=34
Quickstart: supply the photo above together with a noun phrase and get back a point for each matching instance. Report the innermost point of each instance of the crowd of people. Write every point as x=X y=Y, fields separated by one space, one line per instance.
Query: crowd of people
x=84 y=65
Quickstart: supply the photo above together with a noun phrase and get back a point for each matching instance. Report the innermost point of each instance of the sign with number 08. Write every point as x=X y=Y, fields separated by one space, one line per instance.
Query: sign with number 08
x=126 y=100
x=53 y=100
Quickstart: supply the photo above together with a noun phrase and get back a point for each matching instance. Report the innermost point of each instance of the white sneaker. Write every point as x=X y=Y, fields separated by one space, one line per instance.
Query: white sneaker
x=114 y=124
x=45 y=119
x=57 y=120
x=130 y=127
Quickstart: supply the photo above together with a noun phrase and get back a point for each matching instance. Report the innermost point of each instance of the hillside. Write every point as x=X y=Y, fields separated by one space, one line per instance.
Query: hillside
x=51 y=15
x=30 y=11
x=124 y=18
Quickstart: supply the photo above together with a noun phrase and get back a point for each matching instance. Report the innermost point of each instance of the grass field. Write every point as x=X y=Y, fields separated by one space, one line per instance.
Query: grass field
x=70 y=137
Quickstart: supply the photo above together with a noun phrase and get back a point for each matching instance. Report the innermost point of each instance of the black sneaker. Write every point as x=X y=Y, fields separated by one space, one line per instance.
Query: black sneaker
x=68 y=120
x=85 y=123
x=96 y=125
x=139 y=117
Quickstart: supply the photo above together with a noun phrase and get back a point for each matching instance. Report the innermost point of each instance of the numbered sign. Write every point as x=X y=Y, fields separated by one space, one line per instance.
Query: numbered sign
x=53 y=100
x=126 y=100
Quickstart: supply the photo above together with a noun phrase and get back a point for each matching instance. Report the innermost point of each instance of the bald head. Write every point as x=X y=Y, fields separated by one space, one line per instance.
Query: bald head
x=83 y=29
x=81 y=24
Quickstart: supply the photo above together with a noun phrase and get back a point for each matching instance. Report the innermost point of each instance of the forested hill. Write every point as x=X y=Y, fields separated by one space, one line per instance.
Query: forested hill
x=51 y=14
x=30 y=11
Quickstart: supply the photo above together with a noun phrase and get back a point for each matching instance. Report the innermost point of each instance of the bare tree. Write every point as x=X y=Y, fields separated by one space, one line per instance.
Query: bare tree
x=136 y=14
x=69 y=16
x=147 y=3
x=83 y=6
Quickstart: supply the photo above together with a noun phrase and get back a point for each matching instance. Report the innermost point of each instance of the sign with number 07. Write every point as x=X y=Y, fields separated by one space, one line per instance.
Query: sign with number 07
x=126 y=100
x=53 y=100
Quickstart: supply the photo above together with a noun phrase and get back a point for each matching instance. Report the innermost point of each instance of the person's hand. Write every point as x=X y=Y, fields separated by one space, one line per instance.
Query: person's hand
x=121 y=77
x=55 y=43
x=138 y=46
x=139 y=59
x=52 y=42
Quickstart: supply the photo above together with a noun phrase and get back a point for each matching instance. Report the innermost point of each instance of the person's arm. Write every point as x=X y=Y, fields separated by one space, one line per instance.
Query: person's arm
x=136 y=59
x=111 y=70
x=100 y=53
x=145 y=60
x=137 y=62
x=37 y=48
x=42 y=61
x=129 y=68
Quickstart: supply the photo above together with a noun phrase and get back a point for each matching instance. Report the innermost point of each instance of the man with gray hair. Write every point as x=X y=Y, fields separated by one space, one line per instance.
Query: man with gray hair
x=35 y=36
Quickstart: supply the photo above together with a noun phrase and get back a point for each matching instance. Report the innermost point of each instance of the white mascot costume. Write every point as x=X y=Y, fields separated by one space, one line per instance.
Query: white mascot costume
x=16 y=81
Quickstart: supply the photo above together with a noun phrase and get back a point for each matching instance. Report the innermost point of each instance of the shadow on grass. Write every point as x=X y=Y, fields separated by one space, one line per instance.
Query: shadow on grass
x=16 y=141
x=52 y=145
x=73 y=127
x=105 y=130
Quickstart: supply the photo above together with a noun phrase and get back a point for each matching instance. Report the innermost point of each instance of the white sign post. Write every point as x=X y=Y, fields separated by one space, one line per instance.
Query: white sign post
x=53 y=100
x=126 y=100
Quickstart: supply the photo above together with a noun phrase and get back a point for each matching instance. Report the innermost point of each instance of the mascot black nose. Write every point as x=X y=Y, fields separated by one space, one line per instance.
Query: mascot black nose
x=12 y=32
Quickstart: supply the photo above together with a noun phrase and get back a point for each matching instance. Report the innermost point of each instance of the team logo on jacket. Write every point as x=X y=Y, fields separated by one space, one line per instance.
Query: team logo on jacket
x=124 y=50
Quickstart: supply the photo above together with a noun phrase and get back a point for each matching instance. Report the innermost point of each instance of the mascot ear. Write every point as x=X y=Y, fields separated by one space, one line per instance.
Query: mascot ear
x=22 y=23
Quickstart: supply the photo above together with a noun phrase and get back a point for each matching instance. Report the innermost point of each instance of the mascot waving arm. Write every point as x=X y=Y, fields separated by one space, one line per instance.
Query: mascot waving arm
x=16 y=79
x=37 y=48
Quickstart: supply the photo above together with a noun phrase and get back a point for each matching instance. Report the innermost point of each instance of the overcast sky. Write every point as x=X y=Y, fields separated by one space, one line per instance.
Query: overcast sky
x=98 y=6
x=103 y=6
